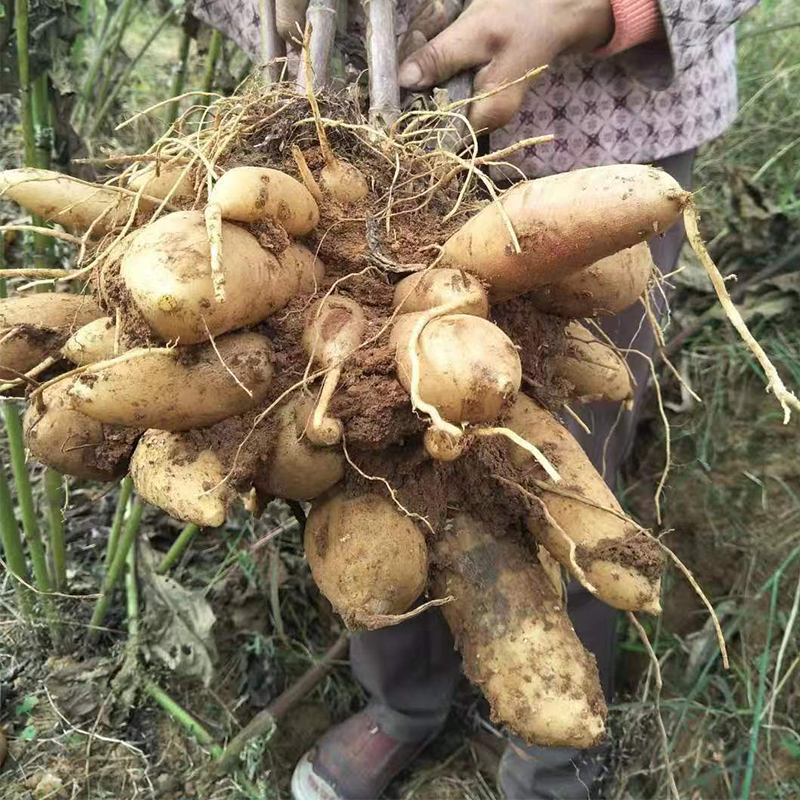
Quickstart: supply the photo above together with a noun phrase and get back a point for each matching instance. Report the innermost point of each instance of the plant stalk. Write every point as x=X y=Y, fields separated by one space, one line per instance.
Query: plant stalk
x=214 y=48
x=24 y=74
x=177 y=549
x=43 y=147
x=125 y=489
x=115 y=570
x=132 y=597
x=183 y=717
x=16 y=447
x=27 y=509
x=123 y=14
x=179 y=78
x=321 y=16
x=123 y=78
x=54 y=490
x=12 y=546
x=267 y=719
x=272 y=45
x=384 y=86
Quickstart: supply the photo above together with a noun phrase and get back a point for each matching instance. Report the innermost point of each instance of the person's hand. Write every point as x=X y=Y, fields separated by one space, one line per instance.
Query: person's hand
x=505 y=39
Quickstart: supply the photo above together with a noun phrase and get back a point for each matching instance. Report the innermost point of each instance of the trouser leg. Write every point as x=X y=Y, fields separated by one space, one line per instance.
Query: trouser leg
x=543 y=773
x=410 y=671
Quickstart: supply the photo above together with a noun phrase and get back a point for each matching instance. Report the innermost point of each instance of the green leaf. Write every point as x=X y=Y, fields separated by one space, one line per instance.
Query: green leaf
x=26 y=706
x=29 y=733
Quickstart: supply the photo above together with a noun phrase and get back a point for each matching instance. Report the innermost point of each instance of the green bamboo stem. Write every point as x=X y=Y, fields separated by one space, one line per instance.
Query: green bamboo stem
x=132 y=597
x=123 y=15
x=19 y=469
x=214 y=48
x=12 y=546
x=183 y=717
x=3 y=287
x=115 y=570
x=178 y=546
x=16 y=448
x=104 y=42
x=24 y=74
x=123 y=78
x=125 y=489
x=179 y=78
x=54 y=490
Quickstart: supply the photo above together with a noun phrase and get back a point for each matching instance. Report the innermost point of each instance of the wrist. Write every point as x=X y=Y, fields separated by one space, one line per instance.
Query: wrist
x=588 y=24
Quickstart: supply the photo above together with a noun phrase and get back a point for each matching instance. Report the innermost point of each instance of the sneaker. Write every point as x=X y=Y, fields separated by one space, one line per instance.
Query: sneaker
x=355 y=760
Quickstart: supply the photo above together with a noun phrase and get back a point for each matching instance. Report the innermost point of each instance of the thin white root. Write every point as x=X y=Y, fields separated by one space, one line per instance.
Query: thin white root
x=524 y=444
x=375 y=621
x=389 y=487
x=31 y=373
x=657 y=704
x=213 y=216
x=326 y=431
x=786 y=398
x=577 y=419
x=417 y=403
x=222 y=360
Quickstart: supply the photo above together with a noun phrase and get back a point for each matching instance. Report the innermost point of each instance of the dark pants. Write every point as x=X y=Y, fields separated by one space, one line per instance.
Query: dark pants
x=411 y=670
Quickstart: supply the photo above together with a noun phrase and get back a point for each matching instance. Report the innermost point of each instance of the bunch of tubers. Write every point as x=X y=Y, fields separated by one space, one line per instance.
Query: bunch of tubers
x=210 y=316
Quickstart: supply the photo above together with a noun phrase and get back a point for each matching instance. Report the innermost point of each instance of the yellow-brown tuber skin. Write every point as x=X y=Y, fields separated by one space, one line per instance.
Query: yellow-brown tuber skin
x=594 y=370
x=189 y=485
x=167 y=271
x=295 y=469
x=177 y=389
x=69 y=202
x=35 y=326
x=563 y=223
x=622 y=564
x=366 y=556
x=605 y=288
x=254 y=194
x=91 y=343
x=437 y=287
x=65 y=439
x=469 y=369
x=515 y=638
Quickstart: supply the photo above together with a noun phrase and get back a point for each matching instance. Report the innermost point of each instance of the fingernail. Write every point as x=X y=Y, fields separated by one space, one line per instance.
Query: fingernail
x=410 y=74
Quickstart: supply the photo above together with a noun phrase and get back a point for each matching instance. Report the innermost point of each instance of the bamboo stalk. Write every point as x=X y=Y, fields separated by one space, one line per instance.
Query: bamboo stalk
x=132 y=597
x=54 y=491
x=115 y=569
x=321 y=16
x=106 y=39
x=183 y=717
x=214 y=48
x=384 y=87
x=125 y=489
x=267 y=719
x=24 y=75
x=178 y=547
x=16 y=448
x=272 y=46
x=123 y=78
x=112 y=51
x=12 y=546
x=179 y=78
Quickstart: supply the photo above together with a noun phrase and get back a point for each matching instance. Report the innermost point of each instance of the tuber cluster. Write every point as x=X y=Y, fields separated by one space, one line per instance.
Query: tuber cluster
x=288 y=324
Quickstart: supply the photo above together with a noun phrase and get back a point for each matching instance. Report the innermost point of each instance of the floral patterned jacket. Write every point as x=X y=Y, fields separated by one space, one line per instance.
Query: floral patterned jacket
x=633 y=101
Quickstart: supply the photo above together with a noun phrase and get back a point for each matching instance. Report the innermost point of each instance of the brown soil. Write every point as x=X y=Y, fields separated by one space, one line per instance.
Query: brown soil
x=637 y=551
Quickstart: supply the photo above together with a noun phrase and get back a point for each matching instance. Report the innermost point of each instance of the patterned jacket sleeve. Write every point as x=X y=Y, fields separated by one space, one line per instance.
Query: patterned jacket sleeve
x=694 y=30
